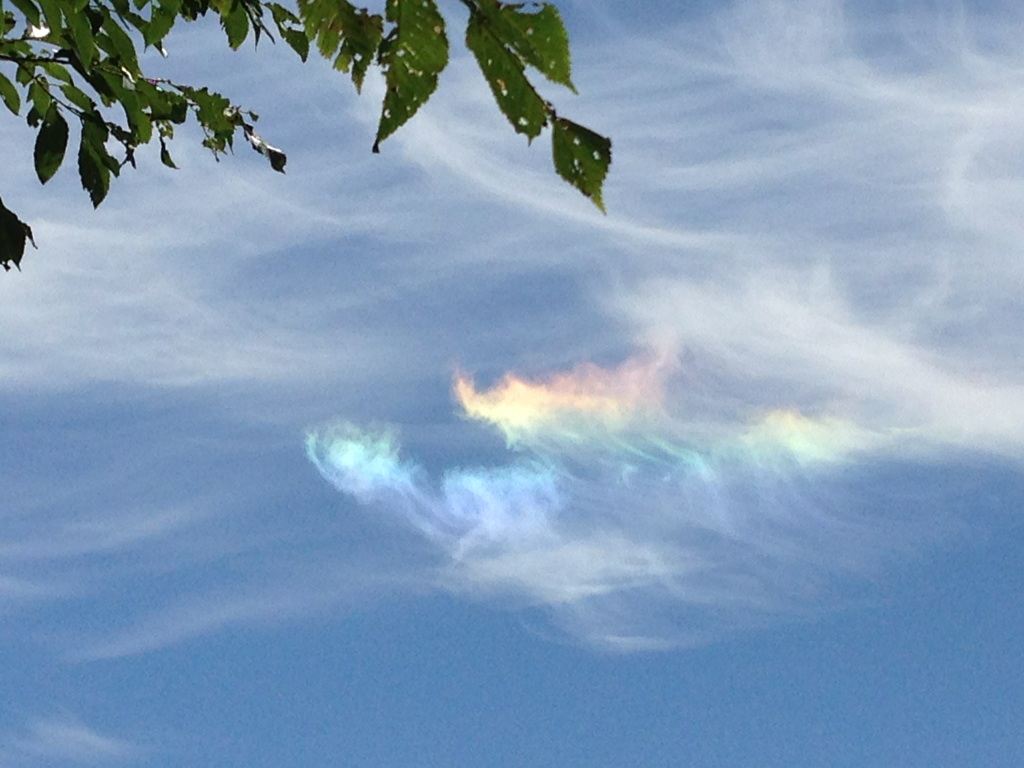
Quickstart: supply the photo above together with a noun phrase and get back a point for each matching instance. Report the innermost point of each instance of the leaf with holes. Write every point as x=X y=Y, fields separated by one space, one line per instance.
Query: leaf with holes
x=539 y=39
x=581 y=157
x=412 y=55
x=503 y=70
x=349 y=35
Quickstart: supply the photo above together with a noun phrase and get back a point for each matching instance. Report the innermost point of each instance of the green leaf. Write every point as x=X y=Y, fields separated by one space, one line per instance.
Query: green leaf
x=57 y=71
x=178 y=108
x=503 y=69
x=165 y=155
x=134 y=104
x=80 y=30
x=25 y=74
x=7 y=21
x=290 y=27
x=538 y=38
x=78 y=97
x=215 y=115
x=93 y=167
x=13 y=234
x=40 y=97
x=581 y=157
x=360 y=46
x=412 y=55
x=118 y=44
x=236 y=25
x=163 y=105
x=297 y=41
x=51 y=143
x=29 y=9
x=141 y=127
x=160 y=22
x=52 y=15
x=282 y=15
x=349 y=35
x=9 y=94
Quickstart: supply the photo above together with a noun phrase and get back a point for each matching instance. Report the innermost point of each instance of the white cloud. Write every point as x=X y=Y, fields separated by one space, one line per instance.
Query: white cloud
x=66 y=740
x=820 y=209
x=823 y=215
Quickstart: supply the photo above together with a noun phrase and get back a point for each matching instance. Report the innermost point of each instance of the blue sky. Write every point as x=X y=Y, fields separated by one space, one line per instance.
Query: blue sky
x=734 y=479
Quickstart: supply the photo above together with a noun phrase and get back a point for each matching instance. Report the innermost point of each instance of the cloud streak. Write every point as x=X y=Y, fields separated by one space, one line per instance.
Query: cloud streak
x=65 y=740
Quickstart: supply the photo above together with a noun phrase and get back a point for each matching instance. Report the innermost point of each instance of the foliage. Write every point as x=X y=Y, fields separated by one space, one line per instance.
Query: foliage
x=78 y=62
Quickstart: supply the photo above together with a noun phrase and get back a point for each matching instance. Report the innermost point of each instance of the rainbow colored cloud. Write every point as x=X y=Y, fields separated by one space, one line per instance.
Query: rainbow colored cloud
x=633 y=526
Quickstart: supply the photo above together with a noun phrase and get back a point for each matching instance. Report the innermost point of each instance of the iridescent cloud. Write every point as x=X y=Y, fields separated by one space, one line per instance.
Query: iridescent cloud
x=571 y=405
x=624 y=520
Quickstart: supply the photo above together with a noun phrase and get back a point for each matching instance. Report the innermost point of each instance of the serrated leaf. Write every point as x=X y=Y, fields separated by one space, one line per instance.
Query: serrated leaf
x=348 y=35
x=80 y=30
x=51 y=144
x=290 y=27
x=581 y=157
x=163 y=105
x=282 y=15
x=40 y=98
x=93 y=168
x=297 y=41
x=14 y=233
x=538 y=38
x=323 y=23
x=9 y=94
x=78 y=97
x=236 y=25
x=412 y=56
x=360 y=46
x=503 y=69
x=161 y=20
x=118 y=44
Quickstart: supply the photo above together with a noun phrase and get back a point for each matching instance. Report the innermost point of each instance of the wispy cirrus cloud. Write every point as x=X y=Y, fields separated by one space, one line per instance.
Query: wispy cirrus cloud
x=63 y=740
x=797 y=218
x=814 y=210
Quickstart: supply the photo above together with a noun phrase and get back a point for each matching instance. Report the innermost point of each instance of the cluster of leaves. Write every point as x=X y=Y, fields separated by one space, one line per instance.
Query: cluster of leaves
x=77 y=61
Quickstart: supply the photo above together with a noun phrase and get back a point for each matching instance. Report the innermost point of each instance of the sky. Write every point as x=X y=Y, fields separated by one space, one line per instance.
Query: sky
x=417 y=459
